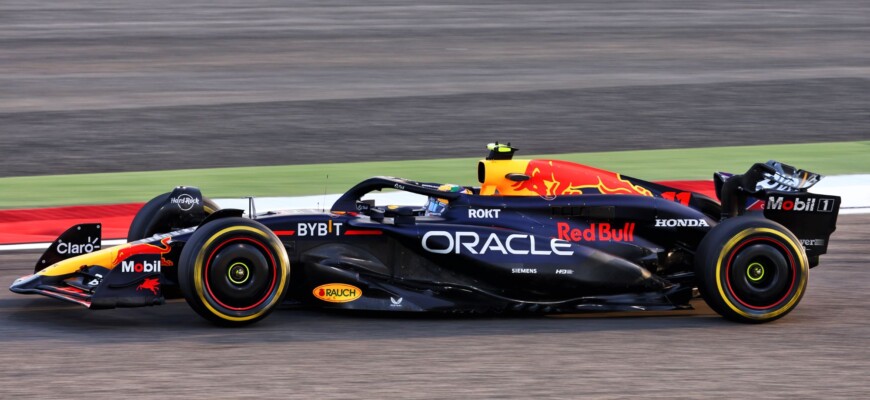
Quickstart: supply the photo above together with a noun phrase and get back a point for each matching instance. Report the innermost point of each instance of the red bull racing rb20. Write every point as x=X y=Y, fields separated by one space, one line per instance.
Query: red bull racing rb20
x=536 y=236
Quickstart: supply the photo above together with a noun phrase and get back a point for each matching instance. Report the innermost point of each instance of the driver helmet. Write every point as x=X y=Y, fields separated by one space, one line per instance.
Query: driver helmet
x=435 y=206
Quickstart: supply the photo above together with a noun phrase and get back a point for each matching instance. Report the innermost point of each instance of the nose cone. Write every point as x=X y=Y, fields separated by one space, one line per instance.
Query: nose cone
x=25 y=284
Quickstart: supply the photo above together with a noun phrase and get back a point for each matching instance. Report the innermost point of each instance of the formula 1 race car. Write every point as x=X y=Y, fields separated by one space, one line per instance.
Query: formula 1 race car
x=537 y=236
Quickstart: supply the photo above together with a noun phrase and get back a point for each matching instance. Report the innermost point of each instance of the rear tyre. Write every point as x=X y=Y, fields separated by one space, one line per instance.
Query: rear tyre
x=233 y=271
x=147 y=222
x=751 y=269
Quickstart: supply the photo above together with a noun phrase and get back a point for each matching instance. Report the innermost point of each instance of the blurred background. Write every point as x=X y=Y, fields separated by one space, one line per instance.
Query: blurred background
x=100 y=86
x=106 y=86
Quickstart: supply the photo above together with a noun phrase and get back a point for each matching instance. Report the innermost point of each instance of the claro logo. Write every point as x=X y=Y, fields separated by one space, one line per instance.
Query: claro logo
x=337 y=292
x=89 y=246
x=441 y=242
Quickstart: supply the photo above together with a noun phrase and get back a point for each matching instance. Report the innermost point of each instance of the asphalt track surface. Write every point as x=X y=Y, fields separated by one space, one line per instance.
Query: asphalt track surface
x=821 y=350
x=91 y=86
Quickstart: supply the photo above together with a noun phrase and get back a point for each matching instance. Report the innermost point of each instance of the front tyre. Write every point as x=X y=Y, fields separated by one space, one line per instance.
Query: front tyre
x=233 y=271
x=751 y=269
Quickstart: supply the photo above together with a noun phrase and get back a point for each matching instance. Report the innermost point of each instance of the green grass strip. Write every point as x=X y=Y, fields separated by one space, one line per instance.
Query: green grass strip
x=293 y=180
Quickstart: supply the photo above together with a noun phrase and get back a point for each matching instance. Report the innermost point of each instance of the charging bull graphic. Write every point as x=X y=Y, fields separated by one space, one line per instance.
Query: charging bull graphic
x=549 y=179
x=145 y=248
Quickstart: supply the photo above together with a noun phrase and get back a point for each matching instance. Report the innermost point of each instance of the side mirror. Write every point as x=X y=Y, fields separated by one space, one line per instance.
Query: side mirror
x=517 y=177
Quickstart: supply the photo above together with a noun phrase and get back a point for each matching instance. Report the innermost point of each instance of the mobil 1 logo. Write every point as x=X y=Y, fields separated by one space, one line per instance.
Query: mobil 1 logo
x=800 y=203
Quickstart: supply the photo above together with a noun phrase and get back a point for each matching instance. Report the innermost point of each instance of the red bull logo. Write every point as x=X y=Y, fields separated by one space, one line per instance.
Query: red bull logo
x=596 y=232
x=548 y=178
x=145 y=248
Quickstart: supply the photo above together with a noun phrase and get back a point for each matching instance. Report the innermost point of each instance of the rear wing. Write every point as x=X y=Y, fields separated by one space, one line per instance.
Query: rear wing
x=811 y=217
x=781 y=191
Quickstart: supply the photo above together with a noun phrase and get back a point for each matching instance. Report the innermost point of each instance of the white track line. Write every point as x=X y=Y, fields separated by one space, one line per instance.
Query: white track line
x=853 y=189
x=43 y=246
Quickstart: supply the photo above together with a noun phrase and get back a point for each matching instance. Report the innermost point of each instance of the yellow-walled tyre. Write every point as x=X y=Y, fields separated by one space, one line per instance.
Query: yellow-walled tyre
x=751 y=269
x=233 y=271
